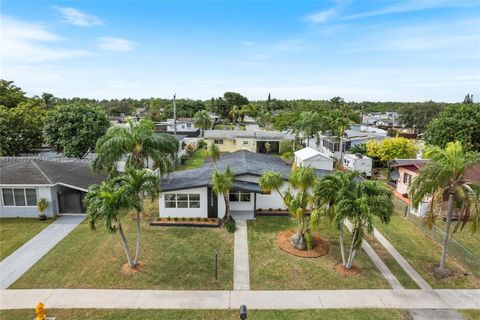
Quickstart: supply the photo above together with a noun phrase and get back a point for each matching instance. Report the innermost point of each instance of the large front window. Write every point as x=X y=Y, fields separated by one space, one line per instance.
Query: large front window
x=19 y=197
x=182 y=200
x=239 y=196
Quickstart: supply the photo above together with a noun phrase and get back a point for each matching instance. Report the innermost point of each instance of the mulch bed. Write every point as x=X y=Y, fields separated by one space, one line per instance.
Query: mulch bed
x=320 y=245
x=186 y=223
x=346 y=273
x=126 y=269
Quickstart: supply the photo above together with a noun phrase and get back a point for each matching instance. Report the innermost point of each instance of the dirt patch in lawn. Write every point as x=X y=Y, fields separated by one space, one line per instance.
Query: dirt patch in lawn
x=126 y=269
x=346 y=273
x=320 y=246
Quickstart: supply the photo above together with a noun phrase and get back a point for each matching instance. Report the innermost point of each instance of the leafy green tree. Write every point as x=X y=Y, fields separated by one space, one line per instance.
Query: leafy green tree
x=309 y=124
x=444 y=178
x=21 y=128
x=10 y=95
x=456 y=123
x=48 y=100
x=222 y=183
x=138 y=184
x=296 y=198
x=418 y=116
x=74 y=129
x=202 y=120
x=234 y=114
x=235 y=99
x=155 y=109
x=391 y=148
x=108 y=203
x=139 y=144
x=214 y=153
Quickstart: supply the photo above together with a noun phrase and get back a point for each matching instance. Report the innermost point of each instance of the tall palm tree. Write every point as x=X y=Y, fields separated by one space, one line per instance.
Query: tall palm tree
x=222 y=183
x=138 y=184
x=234 y=114
x=339 y=125
x=301 y=181
x=327 y=193
x=214 y=154
x=107 y=203
x=444 y=178
x=202 y=121
x=138 y=143
x=363 y=202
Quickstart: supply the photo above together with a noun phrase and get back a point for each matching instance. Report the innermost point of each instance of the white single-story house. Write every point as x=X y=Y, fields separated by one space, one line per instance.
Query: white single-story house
x=189 y=193
x=309 y=157
x=360 y=163
x=63 y=182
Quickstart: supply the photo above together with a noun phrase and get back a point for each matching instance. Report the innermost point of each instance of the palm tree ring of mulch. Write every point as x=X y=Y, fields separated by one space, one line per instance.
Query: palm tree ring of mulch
x=126 y=269
x=320 y=245
x=346 y=273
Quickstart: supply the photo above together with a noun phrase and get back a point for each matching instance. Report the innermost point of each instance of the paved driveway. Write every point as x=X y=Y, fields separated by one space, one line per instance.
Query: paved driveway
x=16 y=264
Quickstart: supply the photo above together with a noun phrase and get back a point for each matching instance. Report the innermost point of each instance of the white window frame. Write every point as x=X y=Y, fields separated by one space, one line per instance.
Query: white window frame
x=218 y=141
x=24 y=196
x=188 y=201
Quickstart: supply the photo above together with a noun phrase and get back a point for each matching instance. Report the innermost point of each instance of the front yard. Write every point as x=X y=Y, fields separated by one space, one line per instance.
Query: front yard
x=348 y=314
x=423 y=253
x=15 y=232
x=175 y=258
x=271 y=268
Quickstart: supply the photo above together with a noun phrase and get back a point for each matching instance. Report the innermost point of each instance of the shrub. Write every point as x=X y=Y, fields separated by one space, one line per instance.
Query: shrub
x=231 y=226
x=190 y=148
x=184 y=219
x=199 y=219
x=175 y=219
x=201 y=144
x=191 y=219
x=183 y=159
x=168 y=218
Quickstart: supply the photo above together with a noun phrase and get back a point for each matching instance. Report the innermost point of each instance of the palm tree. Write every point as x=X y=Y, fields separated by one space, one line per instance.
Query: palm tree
x=301 y=180
x=222 y=183
x=359 y=149
x=327 y=193
x=107 y=202
x=139 y=183
x=214 y=154
x=202 y=121
x=234 y=114
x=339 y=125
x=138 y=144
x=363 y=202
x=443 y=178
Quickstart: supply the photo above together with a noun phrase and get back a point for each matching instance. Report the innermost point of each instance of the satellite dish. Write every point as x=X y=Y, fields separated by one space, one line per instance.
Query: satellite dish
x=395 y=175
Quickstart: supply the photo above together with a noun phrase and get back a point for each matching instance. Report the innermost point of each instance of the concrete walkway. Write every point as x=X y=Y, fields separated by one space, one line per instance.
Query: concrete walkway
x=381 y=266
x=301 y=299
x=16 y=264
x=401 y=261
x=241 y=268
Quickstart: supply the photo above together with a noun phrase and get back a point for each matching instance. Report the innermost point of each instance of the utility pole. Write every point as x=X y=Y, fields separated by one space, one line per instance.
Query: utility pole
x=174 y=117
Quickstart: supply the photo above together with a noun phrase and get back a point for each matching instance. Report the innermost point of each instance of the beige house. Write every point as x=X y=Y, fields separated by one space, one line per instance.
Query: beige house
x=253 y=141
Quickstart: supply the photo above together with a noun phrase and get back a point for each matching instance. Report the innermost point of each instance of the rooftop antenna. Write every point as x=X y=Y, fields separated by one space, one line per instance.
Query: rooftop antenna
x=174 y=117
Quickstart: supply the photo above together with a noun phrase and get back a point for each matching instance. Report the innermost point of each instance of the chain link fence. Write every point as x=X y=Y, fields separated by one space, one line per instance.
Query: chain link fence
x=455 y=249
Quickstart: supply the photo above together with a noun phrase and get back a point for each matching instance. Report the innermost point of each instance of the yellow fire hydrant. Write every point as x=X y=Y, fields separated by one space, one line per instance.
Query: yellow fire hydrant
x=40 y=311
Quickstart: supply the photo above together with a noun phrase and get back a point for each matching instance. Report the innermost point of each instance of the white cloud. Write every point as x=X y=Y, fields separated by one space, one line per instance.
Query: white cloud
x=28 y=42
x=115 y=44
x=322 y=16
x=78 y=18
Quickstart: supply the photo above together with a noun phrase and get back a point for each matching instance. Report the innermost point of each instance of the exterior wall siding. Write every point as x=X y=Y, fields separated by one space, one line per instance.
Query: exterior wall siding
x=227 y=146
x=30 y=211
x=201 y=212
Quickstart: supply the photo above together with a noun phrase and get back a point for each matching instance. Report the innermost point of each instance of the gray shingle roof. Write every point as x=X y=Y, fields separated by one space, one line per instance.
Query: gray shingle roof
x=240 y=162
x=23 y=171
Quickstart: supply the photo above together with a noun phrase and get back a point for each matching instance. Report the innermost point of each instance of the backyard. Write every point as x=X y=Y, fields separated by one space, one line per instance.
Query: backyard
x=174 y=257
x=194 y=161
x=271 y=268
x=15 y=232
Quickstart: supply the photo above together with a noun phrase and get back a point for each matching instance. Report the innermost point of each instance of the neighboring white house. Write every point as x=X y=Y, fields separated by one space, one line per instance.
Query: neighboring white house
x=185 y=126
x=188 y=193
x=24 y=180
x=359 y=163
x=309 y=157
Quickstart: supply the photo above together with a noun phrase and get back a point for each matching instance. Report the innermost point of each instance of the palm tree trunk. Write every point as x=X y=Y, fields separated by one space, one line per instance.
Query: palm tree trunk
x=125 y=245
x=447 y=231
x=137 y=245
x=350 y=260
x=351 y=252
x=226 y=217
x=342 y=246
x=341 y=151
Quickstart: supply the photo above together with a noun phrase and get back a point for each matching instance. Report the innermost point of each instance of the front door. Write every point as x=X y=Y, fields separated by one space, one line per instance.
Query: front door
x=212 y=204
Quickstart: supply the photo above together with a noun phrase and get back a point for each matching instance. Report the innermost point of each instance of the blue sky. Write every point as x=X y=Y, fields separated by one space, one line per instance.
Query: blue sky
x=361 y=50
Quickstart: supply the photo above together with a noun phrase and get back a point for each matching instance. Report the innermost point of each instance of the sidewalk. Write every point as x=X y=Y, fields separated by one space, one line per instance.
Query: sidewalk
x=16 y=264
x=301 y=299
x=241 y=267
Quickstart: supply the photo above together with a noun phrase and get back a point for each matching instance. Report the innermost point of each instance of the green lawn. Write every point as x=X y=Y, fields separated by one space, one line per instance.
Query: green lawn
x=175 y=258
x=196 y=160
x=337 y=314
x=423 y=253
x=470 y=314
x=272 y=268
x=14 y=232
x=464 y=237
